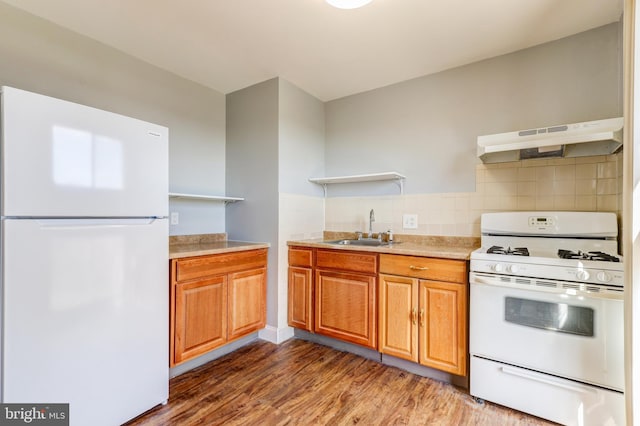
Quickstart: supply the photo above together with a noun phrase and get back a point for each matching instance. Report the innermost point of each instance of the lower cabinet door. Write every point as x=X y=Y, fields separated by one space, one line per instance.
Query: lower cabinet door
x=247 y=302
x=300 y=298
x=398 y=330
x=443 y=318
x=200 y=317
x=346 y=307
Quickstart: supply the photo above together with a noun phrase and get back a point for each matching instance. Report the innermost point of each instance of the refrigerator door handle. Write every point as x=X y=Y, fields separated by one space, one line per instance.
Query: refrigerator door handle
x=94 y=222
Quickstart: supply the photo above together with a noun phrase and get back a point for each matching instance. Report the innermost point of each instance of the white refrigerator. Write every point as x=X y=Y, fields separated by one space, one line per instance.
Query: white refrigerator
x=84 y=248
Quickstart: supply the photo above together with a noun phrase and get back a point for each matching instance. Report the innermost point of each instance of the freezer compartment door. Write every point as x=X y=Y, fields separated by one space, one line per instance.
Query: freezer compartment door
x=86 y=316
x=65 y=159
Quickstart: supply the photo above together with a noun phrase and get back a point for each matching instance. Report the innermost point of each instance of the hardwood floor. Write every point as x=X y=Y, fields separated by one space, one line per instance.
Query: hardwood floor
x=303 y=383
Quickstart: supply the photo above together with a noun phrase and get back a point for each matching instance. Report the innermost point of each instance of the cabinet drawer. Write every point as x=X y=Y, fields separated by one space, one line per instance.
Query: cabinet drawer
x=300 y=257
x=202 y=266
x=347 y=261
x=424 y=267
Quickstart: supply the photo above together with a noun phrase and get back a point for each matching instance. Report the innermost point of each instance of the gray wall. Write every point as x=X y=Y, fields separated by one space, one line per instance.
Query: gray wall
x=301 y=140
x=301 y=155
x=426 y=128
x=252 y=173
x=41 y=57
x=275 y=142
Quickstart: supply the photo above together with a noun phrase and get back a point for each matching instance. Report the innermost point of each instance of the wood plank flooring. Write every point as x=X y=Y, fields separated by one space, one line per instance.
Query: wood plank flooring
x=303 y=383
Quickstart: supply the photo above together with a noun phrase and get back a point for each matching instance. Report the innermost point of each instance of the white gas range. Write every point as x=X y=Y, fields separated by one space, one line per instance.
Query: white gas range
x=546 y=315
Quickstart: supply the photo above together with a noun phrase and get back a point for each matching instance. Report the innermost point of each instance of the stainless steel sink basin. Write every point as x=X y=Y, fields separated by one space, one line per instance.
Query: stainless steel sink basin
x=371 y=242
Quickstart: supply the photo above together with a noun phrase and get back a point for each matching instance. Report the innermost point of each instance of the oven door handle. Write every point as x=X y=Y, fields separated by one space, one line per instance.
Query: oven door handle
x=525 y=375
x=477 y=279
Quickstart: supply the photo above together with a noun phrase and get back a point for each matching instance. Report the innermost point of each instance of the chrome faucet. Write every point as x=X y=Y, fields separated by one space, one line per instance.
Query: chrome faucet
x=372 y=218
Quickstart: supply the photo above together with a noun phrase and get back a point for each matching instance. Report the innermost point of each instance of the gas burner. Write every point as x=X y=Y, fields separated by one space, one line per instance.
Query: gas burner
x=591 y=255
x=517 y=251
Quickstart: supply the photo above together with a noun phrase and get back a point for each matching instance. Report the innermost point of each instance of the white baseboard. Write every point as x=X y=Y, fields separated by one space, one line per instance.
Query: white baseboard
x=275 y=335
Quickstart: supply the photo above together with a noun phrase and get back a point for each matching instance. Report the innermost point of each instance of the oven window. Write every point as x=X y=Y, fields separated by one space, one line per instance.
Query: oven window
x=550 y=316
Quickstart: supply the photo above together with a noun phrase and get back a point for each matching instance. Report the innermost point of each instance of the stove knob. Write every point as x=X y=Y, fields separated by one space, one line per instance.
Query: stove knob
x=497 y=267
x=512 y=268
x=582 y=275
x=604 y=277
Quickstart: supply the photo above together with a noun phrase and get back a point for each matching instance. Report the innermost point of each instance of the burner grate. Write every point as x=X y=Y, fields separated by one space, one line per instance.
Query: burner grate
x=516 y=251
x=591 y=255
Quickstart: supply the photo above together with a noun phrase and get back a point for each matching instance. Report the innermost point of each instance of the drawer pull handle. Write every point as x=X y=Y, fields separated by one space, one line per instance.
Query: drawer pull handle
x=421 y=317
x=545 y=380
x=414 y=314
x=418 y=268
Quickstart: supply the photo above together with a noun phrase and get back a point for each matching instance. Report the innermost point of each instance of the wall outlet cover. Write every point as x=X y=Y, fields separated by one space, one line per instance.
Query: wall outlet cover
x=410 y=221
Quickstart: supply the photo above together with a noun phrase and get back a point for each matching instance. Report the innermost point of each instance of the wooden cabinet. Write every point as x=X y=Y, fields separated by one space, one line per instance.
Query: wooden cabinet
x=442 y=336
x=345 y=307
x=247 y=302
x=333 y=292
x=423 y=311
x=200 y=317
x=215 y=299
x=345 y=296
x=398 y=335
x=300 y=287
x=418 y=311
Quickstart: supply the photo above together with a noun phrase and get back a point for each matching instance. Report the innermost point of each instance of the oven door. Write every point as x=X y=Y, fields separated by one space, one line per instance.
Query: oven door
x=568 y=333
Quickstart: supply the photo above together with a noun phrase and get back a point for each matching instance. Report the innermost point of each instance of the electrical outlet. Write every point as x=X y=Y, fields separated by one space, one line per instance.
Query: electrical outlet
x=410 y=221
x=175 y=218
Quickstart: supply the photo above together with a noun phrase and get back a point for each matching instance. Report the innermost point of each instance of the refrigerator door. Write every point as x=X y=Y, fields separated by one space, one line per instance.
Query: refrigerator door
x=64 y=159
x=85 y=316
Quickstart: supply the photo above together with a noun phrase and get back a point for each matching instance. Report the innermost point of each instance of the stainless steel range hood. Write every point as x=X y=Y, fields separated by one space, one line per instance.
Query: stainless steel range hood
x=601 y=137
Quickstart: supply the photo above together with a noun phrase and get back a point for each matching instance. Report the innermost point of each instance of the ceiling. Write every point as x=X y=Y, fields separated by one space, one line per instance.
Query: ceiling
x=231 y=44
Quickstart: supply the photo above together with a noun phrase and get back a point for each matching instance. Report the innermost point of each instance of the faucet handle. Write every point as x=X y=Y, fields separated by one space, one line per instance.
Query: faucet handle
x=358 y=235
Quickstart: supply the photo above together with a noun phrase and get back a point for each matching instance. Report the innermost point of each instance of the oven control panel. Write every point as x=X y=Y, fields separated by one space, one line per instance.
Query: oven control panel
x=541 y=222
x=612 y=277
x=559 y=223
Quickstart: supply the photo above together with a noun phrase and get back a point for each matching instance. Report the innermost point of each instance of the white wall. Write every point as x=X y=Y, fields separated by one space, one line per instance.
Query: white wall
x=38 y=56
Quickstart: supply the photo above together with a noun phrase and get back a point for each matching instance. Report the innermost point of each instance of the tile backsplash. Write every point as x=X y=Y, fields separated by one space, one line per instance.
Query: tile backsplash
x=577 y=184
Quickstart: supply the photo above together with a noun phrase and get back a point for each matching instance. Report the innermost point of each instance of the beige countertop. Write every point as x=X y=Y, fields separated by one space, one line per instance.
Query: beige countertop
x=414 y=245
x=202 y=245
x=458 y=248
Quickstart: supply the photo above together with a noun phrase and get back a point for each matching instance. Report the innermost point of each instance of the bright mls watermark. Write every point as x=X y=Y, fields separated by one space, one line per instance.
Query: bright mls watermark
x=34 y=414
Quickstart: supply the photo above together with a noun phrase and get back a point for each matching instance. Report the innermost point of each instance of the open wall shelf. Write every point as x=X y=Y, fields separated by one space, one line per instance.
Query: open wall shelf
x=371 y=177
x=205 y=197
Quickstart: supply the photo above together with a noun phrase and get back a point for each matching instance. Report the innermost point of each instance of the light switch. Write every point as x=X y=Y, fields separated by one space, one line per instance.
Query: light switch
x=410 y=221
x=175 y=218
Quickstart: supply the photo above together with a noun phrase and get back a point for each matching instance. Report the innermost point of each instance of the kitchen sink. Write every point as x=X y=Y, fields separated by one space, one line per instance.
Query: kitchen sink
x=371 y=242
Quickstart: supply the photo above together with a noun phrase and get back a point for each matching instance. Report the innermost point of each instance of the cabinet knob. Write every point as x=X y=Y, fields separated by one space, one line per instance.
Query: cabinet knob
x=418 y=268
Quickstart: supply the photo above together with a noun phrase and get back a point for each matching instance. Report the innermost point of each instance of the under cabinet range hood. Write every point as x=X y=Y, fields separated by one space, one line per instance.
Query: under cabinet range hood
x=601 y=137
